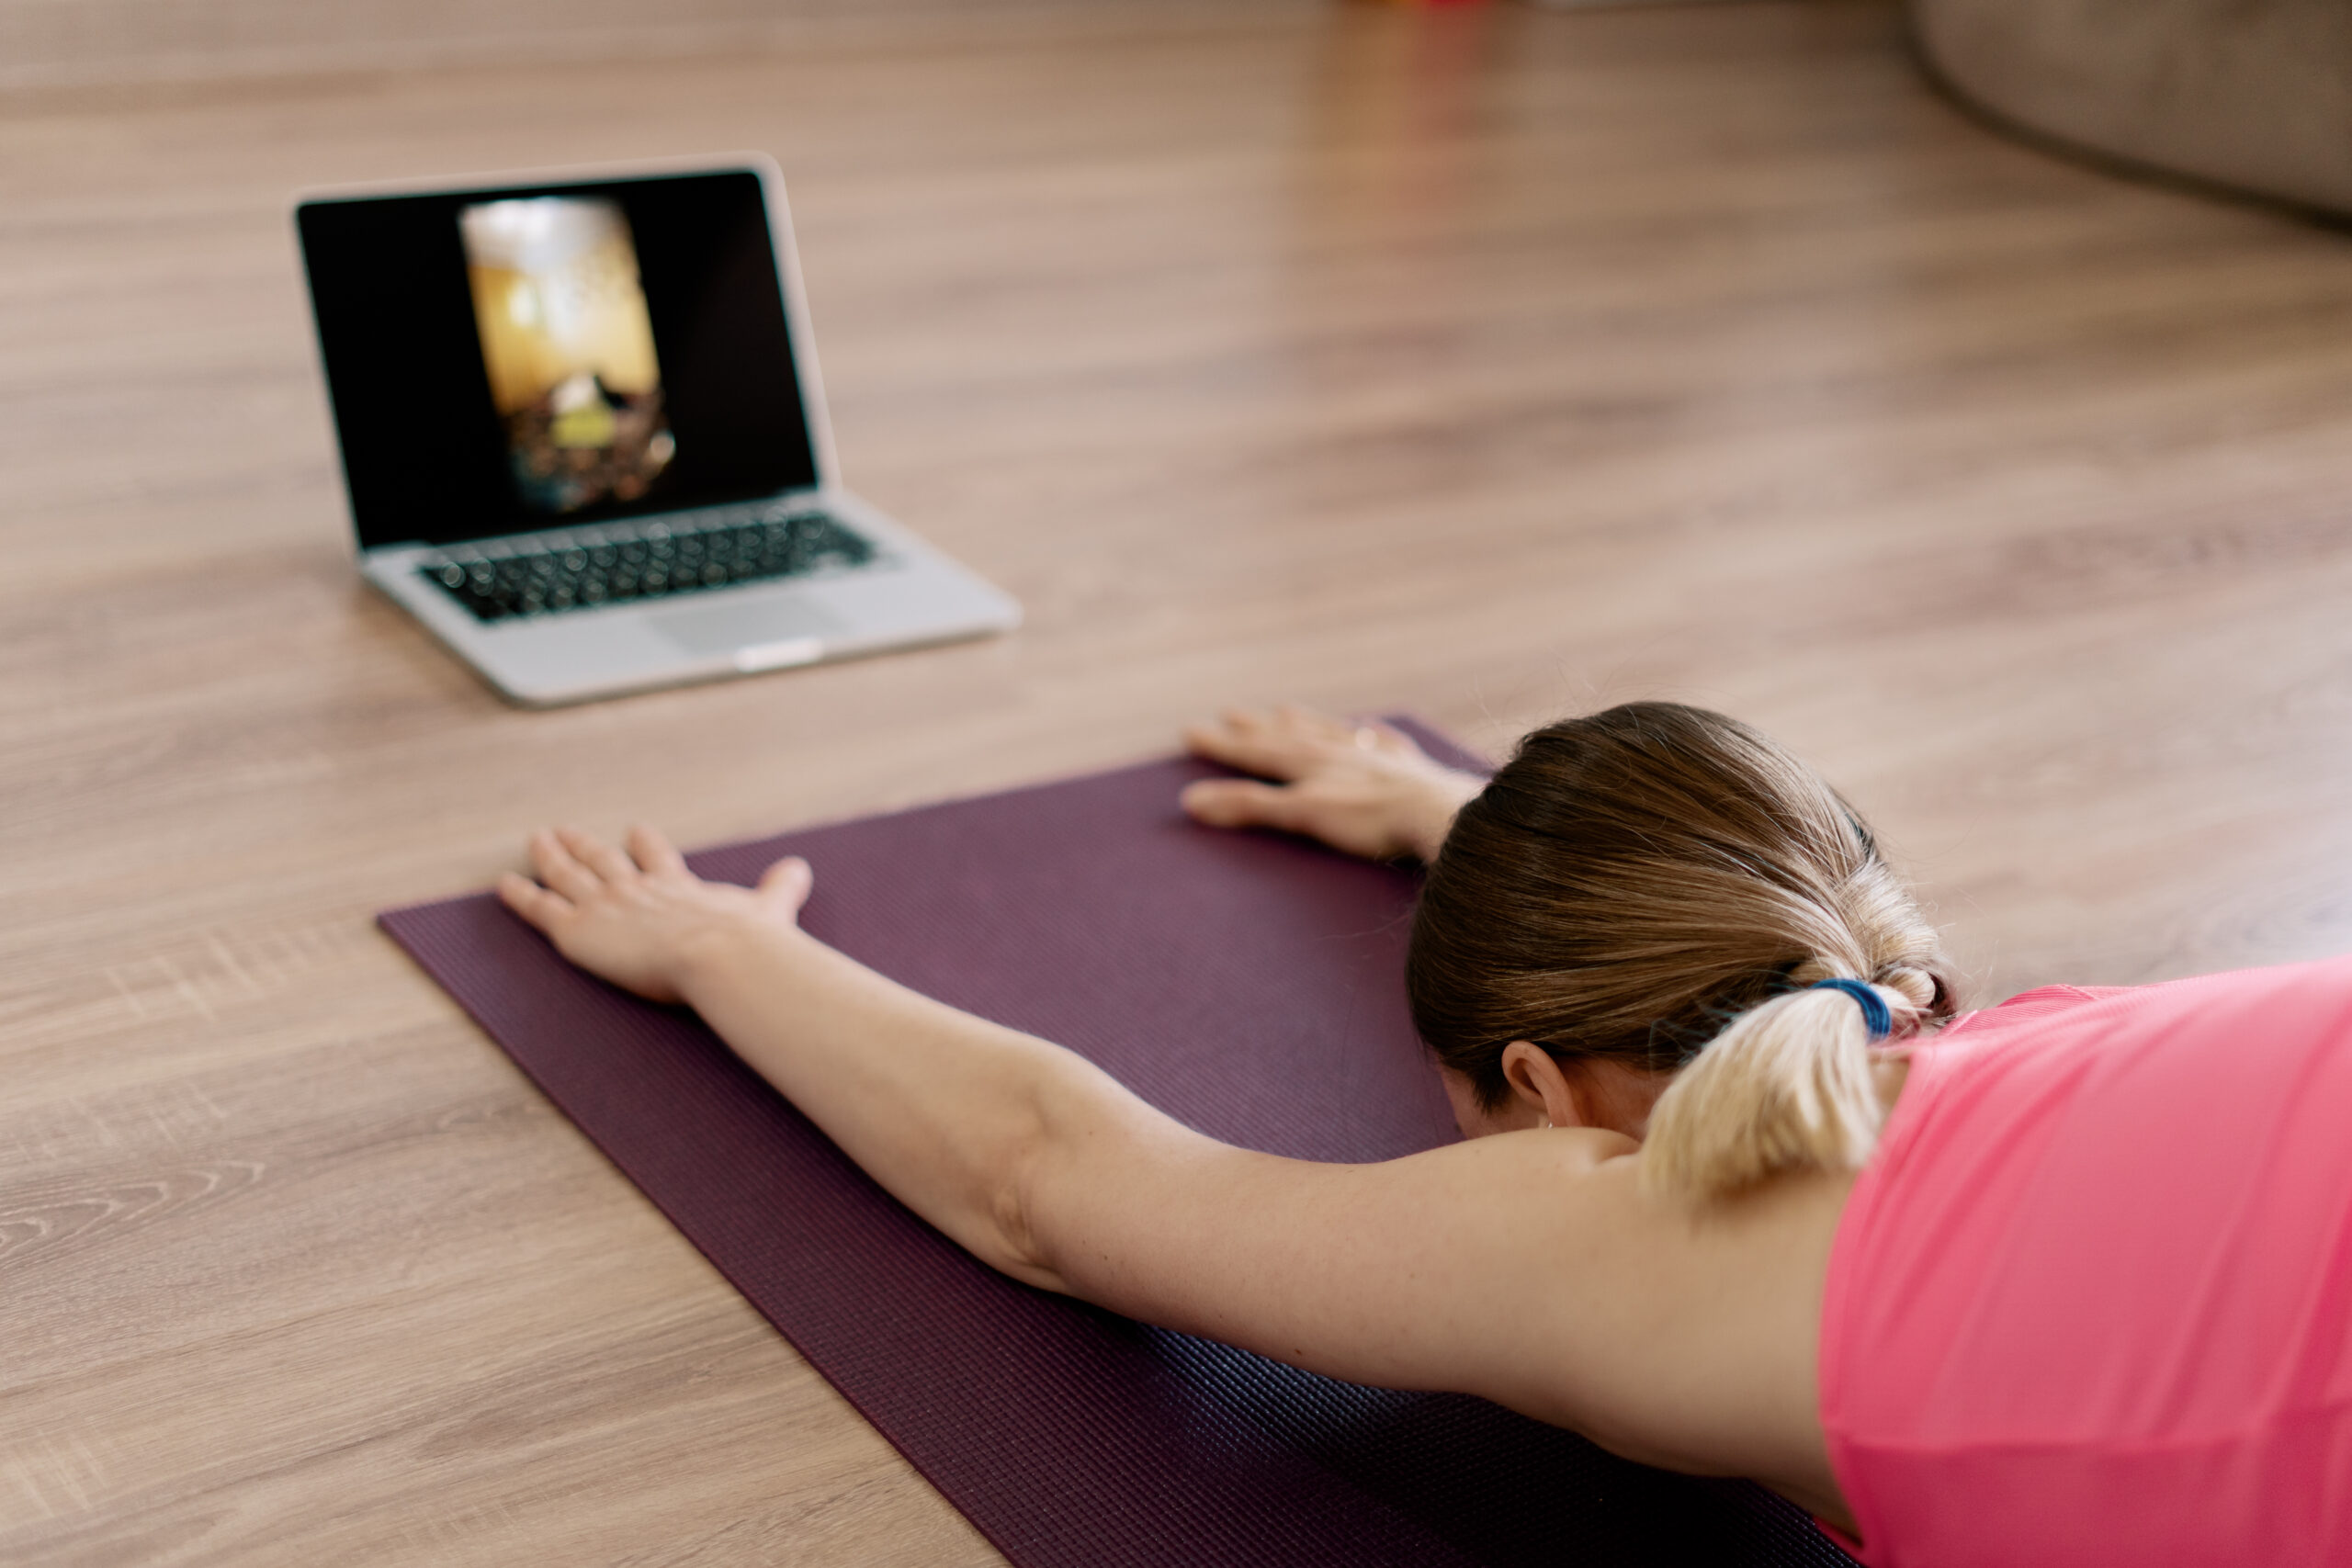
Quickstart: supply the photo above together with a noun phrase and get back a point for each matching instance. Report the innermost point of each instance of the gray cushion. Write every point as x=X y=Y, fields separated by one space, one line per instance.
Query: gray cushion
x=2250 y=94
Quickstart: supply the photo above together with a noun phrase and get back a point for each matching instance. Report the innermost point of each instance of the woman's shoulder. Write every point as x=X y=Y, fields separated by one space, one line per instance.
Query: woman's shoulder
x=2047 y=1045
x=2186 y=996
x=2044 y=1000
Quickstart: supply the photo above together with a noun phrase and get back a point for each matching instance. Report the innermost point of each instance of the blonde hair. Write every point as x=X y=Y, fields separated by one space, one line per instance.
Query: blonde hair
x=1659 y=885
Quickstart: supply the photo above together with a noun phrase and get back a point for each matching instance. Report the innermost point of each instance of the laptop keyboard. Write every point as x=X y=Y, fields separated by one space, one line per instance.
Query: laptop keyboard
x=616 y=564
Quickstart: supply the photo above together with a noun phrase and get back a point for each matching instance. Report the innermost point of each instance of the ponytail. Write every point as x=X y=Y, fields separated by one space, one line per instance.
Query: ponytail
x=1786 y=1087
x=1633 y=879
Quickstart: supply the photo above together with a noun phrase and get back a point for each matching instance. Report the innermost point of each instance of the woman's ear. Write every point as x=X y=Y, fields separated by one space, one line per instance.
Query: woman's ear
x=1541 y=1084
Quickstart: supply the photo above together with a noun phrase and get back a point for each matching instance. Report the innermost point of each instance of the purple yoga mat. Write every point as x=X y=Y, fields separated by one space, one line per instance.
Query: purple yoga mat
x=1249 y=984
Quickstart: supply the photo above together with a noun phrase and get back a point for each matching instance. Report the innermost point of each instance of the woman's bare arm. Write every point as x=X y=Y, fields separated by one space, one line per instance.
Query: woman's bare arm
x=940 y=1106
x=1528 y=1267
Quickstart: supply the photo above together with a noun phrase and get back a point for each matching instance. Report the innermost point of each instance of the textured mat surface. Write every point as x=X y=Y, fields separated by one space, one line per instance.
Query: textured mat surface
x=1215 y=974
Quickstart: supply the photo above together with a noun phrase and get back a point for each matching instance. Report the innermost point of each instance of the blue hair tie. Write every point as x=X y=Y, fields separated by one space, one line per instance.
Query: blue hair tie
x=1876 y=1017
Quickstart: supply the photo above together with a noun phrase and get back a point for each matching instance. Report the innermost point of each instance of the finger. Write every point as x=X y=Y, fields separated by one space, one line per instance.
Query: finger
x=785 y=883
x=1314 y=724
x=534 y=903
x=598 y=856
x=558 y=869
x=1379 y=735
x=1209 y=739
x=1231 y=725
x=1241 y=803
x=654 y=852
x=1253 y=751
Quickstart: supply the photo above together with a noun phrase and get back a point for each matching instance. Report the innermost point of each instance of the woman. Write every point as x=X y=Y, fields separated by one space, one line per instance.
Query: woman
x=2087 y=1297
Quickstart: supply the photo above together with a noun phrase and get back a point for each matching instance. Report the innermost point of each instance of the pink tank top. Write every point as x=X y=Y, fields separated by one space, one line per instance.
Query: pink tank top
x=2091 y=1300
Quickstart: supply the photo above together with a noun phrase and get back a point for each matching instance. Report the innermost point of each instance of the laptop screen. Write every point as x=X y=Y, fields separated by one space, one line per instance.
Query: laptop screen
x=505 y=361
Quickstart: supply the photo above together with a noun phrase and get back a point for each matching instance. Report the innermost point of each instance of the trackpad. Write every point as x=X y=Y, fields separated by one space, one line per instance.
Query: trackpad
x=766 y=632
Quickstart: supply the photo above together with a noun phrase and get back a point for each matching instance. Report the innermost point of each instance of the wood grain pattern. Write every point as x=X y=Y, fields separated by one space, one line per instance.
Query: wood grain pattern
x=1484 y=362
x=84 y=43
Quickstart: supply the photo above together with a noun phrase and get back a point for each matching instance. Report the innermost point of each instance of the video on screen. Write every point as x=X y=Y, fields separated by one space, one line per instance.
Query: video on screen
x=569 y=346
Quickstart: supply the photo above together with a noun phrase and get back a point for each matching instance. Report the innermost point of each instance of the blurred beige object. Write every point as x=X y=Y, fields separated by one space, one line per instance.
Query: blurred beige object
x=2251 y=94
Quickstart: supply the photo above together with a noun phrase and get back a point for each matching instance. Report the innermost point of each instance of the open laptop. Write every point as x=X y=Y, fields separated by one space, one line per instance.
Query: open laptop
x=583 y=439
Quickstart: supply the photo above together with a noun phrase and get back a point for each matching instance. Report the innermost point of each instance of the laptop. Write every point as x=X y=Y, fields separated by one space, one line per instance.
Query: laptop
x=583 y=440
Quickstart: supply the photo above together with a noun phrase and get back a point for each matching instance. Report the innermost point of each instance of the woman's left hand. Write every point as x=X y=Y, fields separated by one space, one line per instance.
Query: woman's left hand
x=641 y=918
x=1361 y=786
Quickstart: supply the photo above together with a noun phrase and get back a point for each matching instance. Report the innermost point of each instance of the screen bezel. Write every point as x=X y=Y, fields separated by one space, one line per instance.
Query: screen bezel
x=555 y=181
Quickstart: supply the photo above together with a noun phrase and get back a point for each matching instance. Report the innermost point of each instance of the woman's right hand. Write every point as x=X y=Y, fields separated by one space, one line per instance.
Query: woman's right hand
x=637 y=917
x=1360 y=787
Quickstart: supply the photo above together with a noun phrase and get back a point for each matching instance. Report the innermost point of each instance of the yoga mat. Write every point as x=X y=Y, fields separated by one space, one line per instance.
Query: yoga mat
x=1249 y=984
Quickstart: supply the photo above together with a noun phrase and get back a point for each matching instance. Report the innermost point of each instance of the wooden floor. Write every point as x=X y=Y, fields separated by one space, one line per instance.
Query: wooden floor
x=1489 y=363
